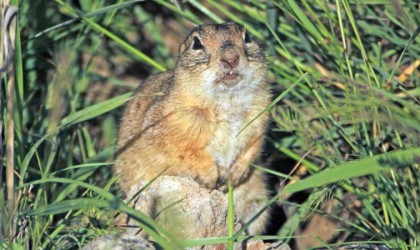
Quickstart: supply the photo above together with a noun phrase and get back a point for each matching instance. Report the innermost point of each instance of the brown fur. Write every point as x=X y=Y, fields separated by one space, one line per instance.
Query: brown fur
x=186 y=122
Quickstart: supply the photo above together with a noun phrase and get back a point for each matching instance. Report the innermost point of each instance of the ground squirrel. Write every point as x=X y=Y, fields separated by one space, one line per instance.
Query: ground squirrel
x=188 y=121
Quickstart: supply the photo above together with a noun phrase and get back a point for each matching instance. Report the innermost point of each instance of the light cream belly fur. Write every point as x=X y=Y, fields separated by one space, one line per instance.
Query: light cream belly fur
x=227 y=142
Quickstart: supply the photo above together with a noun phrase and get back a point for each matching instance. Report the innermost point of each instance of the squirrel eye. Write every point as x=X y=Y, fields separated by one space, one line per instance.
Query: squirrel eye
x=247 y=38
x=197 y=44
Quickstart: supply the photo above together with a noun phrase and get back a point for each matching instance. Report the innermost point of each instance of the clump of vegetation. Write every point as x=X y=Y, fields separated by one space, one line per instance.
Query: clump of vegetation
x=346 y=109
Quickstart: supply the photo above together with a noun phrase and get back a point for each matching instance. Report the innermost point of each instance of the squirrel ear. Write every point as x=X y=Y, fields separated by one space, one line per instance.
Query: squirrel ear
x=181 y=48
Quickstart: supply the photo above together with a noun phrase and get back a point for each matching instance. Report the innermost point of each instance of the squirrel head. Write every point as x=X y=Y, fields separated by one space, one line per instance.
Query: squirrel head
x=220 y=58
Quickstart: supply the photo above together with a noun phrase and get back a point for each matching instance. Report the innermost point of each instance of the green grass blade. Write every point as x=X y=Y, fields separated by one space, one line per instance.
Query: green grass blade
x=86 y=165
x=231 y=216
x=276 y=100
x=95 y=110
x=101 y=11
x=356 y=168
x=129 y=48
x=306 y=23
x=28 y=157
x=185 y=13
x=206 y=11
x=410 y=41
x=69 y=205
x=111 y=202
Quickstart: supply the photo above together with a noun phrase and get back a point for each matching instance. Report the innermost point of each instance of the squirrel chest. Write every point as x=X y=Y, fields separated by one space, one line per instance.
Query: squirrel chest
x=228 y=139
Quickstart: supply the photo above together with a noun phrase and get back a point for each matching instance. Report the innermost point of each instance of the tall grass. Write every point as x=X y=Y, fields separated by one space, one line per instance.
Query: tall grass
x=350 y=108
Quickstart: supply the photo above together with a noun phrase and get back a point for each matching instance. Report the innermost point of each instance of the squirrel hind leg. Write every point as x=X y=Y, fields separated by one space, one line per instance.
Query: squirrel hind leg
x=250 y=198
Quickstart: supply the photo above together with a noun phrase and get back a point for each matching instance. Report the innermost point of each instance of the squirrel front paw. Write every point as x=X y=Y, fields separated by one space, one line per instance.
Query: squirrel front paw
x=237 y=174
x=208 y=179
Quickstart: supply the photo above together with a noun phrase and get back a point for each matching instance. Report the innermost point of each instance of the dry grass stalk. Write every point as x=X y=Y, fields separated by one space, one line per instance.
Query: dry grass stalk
x=8 y=38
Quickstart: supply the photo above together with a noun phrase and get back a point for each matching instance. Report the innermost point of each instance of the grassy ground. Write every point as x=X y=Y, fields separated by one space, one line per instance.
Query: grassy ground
x=345 y=110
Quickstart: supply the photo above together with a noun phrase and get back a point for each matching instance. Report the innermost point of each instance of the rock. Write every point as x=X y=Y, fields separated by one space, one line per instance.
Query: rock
x=365 y=247
x=187 y=211
x=131 y=242
x=119 y=242
x=259 y=245
x=182 y=207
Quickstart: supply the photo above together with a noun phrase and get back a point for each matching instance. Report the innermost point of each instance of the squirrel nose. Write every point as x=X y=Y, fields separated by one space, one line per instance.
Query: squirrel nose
x=229 y=60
